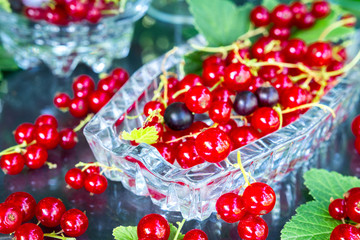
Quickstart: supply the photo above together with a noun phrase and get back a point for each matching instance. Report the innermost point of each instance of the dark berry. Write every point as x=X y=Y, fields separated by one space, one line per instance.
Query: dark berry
x=245 y=103
x=178 y=117
x=267 y=96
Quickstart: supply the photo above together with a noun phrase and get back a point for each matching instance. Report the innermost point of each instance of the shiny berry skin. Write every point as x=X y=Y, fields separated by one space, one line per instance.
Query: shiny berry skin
x=68 y=138
x=265 y=120
x=47 y=136
x=153 y=225
x=56 y=16
x=282 y=16
x=293 y=97
x=220 y=112
x=75 y=178
x=25 y=132
x=242 y=136
x=253 y=228
x=355 y=126
x=213 y=60
x=319 y=54
x=110 y=85
x=298 y=9
x=227 y=127
x=92 y=170
x=34 y=13
x=29 y=231
x=255 y=83
x=345 y=232
x=187 y=156
x=35 y=156
x=62 y=100
x=337 y=209
x=195 y=234
x=83 y=82
x=12 y=164
x=259 y=198
x=212 y=74
x=232 y=57
x=245 y=103
x=213 y=145
x=267 y=96
x=305 y=21
x=221 y=94
x=74 y=223
x=93 y=15
x=166 y=151
x=198 y=99
x=121 y=75
x=189 y=81
x=281 y=82
x=172 y=83
x=352 y=191
x=260 y=16
x=280 y=33
x=97 y=100
x=25 y=202
x=96 y=183
x=152 y=106
x=230 y=207
x=49 y=211
x=178 y=117
x=320 y=9
x=76 y=9
x=295 y=50
x=353 y=207
x=237 y=76
x=10 y=218
x=268 y=72
x=46 y=120
x=79 y=107
x=258 y=48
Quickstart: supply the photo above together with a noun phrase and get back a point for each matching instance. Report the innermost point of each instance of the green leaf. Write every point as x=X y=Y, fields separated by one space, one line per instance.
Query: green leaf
x=311 y=222
x=220 y=21
x=5 y=4
x=7 y=63
x=352 y=6
x=323 y=184
x=194 y=61
x=125 y=233
x=173 y=231
x=270 y=4
x=147 y=135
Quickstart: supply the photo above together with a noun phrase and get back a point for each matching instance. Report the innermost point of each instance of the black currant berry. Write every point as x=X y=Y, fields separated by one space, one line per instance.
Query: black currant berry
x=245 y=103
x=267 y=96
x=178 y=117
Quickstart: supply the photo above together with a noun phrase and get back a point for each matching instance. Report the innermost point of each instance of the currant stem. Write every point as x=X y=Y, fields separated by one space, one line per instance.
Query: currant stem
x=134 y=117
x=277 y=108
x=252 y=33
x=180 y=226
x=17 y=148
x=96 y=164
x=164 y=79
x=217 y=84
x=183 y=137
x=53 y=235
x=158 y=91
x=51 y=165
x=242 y=168
x=350 y=65
x=176 y=94
x=309 y=105
x=166 y=57
x=336 y=25
x=83 y=122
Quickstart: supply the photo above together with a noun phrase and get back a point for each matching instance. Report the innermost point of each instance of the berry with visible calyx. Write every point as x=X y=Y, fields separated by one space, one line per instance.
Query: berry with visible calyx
x=245 y=103
x=220 y=112
x=265 y=120
x=152 y=106
x=46 y=120
x=293 y=97
x=213 y=145
x=68 y=138
x=166 y=151
x=97 y=100
x=12 y=164
x=195 y=234
x=212 y=74
x=178 y=117
x=295 y=50
x=75 y=178
x=79 y=107
x=25 y=202
x=260 y=16
x=49 y=211
x=35 y=156
x=345 y=232
x=10 y=218
x=74 y=223
x=242 y=136
x=62 y=100
x=153 y=225
x=187 y=155
x=353 y=207
x=25 y=132
x=259 y=198
x=279 y=33
x=352 y=191
x=319 y=54
x=96 y=183
x=253 y=228
x=237 y=76
x=282 y=16
x=320 y=9
x=230 y=207
x=47 y=136
x=267 y=96
x=29 y=231
x=83 y=82
x=337 y=209
x=198 y=99
x=232 y=56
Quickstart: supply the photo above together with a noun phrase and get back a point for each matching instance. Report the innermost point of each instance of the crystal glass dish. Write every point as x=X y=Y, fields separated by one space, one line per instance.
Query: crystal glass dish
x=61 y=48
x=194 y=191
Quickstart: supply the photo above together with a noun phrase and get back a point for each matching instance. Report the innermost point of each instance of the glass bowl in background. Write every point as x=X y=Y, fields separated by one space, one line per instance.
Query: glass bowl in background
x=62 y=48
x=194 y=191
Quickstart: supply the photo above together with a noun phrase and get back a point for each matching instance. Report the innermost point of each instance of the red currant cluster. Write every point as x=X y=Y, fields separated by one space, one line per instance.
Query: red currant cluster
x=62 y=12
x=340 y=209
x=86 y=98
x=156 y=227
x=34 y=142
x=21 y=207
x=89 y=177
x=258 y=199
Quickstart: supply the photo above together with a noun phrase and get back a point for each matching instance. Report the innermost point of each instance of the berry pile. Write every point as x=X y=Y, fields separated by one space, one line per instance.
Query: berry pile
x=348 y=207
x=86 y=99
x=20 y=207
x=62 y=12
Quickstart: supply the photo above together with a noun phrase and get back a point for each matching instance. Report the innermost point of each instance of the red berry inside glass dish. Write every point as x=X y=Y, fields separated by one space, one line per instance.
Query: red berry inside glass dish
x=295 y=50
x=195 y=234
x=12 y=164
x=221 y=94
x=242 y=136
x=212 y=74
x=213 y=60
x=228 y=127
x=152 y=106
x=10 y=218
x=96 y=183
x=345 y=232
x=25 y=202
x=265 y=120
x=293 y=97
x=230 y=207
x=29 y=231
x=153 y=225
x=253 y=228
x=220 y=112
x=337 y=209
x=259 y=198
x=74 y=223
x=25 y=132
x=190 y=80
x=305 y=21
x=187 y=156
x=35 y=156
x=198 y=99
x=75 y=178
x=49 y=211
x=280 y=33
x=237 y=76
x=318 y=54
x=166 y=151
x=298 y=9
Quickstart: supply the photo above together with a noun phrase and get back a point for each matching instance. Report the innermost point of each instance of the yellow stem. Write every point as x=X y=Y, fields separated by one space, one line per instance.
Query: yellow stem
x=51 y=165
x=96 y=164
x=183 y=137
x=217 y=84
x=252 y=33
x=164 y=79
x=167 y=55
x=309 y=105
x=17 y=148
x=336 y=25
x=53 y=235
x=277 y=108
x=180 y=225
x=346 y=68
x=134 y=117
x=176 y=94
x=242 y=168
x=83 y=122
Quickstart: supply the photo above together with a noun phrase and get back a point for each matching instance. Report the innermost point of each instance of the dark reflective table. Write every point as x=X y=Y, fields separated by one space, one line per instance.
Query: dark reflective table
x=30 y=93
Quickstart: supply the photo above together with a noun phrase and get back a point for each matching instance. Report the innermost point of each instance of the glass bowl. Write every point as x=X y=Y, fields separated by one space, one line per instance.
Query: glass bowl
x=61 y=48
x=194 y=191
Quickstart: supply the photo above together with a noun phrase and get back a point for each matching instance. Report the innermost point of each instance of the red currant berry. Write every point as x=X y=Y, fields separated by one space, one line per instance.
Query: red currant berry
x=230 y=207
x=97 y=100
x=172 y=83
x=79 y=107
x=57 y=16
x=259 y=198
x=68 y=138
x=35 y=156
x=75 y=178
x=260 y=16
x=120 y=74
x=189 y=81
x=195 y=234
x=25 y=202
x=305 y=21
x=232 y=56
x=320 y=9
x=166 y=151
x=10 y=218
x=282 y=15
x=83 y=82
x=62 y=100
x=293 y=97
x=345 y=232
x=34 y=13
x=47 y=136
x=337 y=209
x=265 y=120
x=153 y=225
x=49 y=211
x=29 y=231
x=255 y=83
x=242 y=136
x=237 y=77
x=198 y=99
x=280 y=33
x=228 y=127
x=212 y=74
x=258 y=48
x=152 y=106
x=253 y=228
x=221 y=94
x=352 y=191
x=93 y=15
x=12 y=164
x=74 y=223
x=197 y=127
x=187 y=156
x=295 y=50
x=213 y=60
x=355 y=126
x=298 y=9
x=46 y=120
x=281 y=82
x=25 y=132
x=319 y=54
x=213 y=145
x=96 y=183
x=77 y=10
x=92 y=170
x=353 y=207
x=220 y=112
x=110 y=85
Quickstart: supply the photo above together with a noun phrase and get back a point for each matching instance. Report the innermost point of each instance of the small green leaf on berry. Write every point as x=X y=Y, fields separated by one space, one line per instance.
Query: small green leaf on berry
x=147 y=135
x=125 y=233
